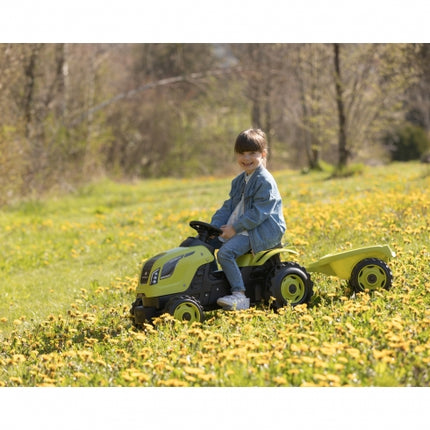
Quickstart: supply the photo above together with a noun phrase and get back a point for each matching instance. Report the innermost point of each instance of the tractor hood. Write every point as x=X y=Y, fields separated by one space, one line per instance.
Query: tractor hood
x=172 y=271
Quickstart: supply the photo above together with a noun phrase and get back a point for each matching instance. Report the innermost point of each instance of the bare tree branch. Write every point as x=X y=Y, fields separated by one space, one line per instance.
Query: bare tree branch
x=162 y=82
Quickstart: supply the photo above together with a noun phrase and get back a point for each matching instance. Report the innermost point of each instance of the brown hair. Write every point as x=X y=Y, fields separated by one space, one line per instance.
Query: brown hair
x=252 y=139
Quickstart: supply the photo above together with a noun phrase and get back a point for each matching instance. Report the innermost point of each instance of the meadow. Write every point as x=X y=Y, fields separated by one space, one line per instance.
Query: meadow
x=69 y=268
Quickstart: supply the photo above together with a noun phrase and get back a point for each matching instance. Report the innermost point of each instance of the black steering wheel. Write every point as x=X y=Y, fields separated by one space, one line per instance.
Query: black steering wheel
x=205 y=230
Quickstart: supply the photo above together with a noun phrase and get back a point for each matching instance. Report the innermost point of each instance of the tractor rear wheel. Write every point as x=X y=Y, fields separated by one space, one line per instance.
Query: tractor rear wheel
x=371 y=274
x=185 y=308
x=291 y=284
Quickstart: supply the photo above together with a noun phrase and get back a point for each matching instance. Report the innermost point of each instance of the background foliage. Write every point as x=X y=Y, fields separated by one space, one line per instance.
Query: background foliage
x=71 y=113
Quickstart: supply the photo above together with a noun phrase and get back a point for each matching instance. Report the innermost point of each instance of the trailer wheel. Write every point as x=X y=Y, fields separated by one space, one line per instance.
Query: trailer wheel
x=371 y=274
x=185 y=308
x=291 y=284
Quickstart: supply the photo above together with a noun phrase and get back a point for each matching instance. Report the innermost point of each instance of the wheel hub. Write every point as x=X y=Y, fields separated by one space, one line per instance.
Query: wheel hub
x=372 y=277
x=187 y=311
x=293 y=288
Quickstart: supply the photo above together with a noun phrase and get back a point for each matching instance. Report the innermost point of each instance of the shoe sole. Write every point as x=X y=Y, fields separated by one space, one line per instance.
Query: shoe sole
x=231 y=307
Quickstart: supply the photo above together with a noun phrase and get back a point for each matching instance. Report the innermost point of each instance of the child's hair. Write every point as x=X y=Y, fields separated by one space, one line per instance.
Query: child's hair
x=251 y=140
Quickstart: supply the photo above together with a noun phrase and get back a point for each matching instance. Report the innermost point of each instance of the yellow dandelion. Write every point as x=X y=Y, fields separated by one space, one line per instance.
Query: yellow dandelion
x=352 y=376
x=190 y=378
x=194 y=370
x=280 y=380
x=308 y=360
x=350 y=327
x=18 y=358
x=363 y=340
x=308 y=384
x=353 y=352
x=333 y=379
x=209 y=377
x=140 y=376
x=328 y=350
x=172 y=383
x=319 y=377
x=319 y=363
x=419 y=348
x=381 y=354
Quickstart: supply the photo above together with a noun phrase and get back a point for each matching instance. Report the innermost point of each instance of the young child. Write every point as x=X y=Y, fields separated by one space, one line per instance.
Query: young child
x=251 y=219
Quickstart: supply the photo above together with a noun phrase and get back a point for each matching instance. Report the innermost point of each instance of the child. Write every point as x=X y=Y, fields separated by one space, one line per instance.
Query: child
x=251 y=219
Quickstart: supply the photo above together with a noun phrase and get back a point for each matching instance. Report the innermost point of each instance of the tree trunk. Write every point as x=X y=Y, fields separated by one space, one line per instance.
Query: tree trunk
x=29 y=89
x=343 y=149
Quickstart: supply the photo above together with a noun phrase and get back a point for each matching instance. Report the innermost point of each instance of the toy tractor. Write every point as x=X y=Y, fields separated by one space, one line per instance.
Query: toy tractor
x=186 y=281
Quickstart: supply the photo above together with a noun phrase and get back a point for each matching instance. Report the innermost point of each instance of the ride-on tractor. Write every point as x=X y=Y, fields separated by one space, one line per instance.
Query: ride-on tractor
x=186 y=281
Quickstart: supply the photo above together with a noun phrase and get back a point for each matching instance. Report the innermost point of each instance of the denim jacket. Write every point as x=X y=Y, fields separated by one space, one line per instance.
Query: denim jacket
x=263 y=218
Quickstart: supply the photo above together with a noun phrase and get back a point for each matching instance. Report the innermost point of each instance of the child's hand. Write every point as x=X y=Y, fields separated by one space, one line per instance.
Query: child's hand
x=227 y=231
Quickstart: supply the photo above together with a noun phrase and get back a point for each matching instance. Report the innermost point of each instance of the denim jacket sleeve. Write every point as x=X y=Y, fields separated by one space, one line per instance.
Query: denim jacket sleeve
x=222 y=215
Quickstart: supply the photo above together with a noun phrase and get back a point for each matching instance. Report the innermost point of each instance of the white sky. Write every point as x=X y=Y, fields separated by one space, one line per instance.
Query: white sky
x=215 y=21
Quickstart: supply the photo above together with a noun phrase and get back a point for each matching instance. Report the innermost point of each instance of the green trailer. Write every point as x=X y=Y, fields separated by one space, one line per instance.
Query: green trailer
x=365 y=268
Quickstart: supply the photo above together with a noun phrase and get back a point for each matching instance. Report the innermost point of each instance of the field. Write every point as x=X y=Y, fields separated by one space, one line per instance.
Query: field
x=69 y=268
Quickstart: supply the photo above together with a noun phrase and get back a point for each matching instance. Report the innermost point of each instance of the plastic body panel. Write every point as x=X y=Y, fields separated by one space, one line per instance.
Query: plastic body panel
x=342 y=263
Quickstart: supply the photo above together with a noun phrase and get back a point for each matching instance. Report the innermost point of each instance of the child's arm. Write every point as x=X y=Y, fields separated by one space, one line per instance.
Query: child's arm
x=222 y=215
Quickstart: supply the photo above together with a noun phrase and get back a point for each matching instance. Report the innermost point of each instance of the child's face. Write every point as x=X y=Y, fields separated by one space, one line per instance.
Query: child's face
x=249 y=160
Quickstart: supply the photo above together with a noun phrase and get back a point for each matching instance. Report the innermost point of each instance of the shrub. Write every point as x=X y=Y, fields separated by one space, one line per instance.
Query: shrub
x=409 y=142
x=347 y=171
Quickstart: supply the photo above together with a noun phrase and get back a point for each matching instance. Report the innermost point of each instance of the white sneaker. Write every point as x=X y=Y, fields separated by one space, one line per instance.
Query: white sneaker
x=237 y=301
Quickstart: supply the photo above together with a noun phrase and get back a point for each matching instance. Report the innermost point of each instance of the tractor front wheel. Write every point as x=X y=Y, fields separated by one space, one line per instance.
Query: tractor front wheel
x=371 y=274
x=291 y=284
x=185 y=308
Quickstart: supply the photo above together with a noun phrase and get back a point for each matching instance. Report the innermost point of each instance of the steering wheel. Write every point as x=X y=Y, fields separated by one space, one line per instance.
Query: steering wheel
x=205 y=230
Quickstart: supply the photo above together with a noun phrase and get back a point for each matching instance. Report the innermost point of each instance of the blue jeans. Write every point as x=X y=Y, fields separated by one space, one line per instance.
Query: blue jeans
x=229 y=251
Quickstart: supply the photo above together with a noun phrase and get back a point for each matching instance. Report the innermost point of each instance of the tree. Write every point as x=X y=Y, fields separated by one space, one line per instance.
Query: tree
x=419 y=92
x=371 y=82
x=310 y=104
x=262 y=68
x=343 y=151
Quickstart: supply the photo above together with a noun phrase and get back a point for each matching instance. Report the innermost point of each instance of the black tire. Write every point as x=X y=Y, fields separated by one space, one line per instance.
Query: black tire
x=185 y=308
x=290 y=284
x=371 y=274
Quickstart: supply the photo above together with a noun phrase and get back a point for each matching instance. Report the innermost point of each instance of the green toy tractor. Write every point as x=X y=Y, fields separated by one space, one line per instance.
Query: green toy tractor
x=185 y=281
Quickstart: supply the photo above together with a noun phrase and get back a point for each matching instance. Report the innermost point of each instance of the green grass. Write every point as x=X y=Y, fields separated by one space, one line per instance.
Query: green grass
x=69 y=268
x=52 y=249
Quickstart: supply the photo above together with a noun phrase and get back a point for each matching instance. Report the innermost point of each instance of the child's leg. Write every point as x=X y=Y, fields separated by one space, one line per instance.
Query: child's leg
x=233 y=248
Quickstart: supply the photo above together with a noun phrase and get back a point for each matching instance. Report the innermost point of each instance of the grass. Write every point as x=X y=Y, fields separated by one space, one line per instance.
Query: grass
x=69 y=268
